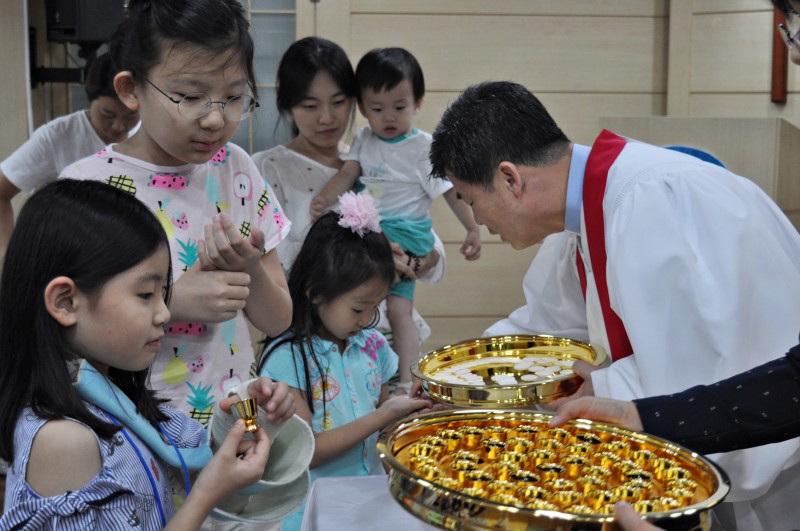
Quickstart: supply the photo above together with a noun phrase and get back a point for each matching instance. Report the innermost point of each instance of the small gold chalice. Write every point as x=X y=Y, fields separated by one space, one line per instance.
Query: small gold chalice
x=247 y=411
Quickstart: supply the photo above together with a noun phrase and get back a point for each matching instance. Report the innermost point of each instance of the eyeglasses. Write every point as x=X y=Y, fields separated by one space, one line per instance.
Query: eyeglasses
x=789 y=31
x=196 y=105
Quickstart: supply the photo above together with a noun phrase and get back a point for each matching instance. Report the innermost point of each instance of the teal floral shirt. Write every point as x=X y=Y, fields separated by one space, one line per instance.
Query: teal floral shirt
x=352 y=388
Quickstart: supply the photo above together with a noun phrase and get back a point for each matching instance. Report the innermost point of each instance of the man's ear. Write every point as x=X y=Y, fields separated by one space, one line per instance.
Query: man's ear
x=61 y=300
x=126 y=90
x=508 y=177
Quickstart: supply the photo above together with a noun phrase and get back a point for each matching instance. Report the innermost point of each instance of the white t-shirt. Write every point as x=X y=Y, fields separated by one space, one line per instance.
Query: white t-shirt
x=295 y=179
x=397 y=173
x=51 y=148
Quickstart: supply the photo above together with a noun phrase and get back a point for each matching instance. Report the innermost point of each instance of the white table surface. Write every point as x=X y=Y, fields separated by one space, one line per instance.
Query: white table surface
x=361 y=503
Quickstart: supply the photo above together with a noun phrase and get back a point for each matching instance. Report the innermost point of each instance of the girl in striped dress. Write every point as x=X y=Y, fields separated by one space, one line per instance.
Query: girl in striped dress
x=82 y=311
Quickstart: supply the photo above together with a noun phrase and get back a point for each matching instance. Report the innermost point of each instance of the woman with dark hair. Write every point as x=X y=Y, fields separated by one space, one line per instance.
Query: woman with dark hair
x=316 y=89
x=316 y=95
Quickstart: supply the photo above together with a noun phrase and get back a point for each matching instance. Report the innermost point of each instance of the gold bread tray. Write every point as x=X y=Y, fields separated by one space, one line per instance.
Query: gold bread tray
x=504 y=371
x=507 y=469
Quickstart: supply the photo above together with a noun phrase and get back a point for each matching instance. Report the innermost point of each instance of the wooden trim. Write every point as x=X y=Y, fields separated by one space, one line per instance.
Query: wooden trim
x=780 y=61
x=305 y=19
x=333 y=22
x=679 y=60
x=13 y=85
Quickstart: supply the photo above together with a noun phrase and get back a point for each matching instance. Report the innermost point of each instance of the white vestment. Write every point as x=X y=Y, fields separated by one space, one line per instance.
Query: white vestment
x=704 y=271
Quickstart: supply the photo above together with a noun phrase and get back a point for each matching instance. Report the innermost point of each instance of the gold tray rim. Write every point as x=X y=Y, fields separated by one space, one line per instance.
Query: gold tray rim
x=397 y=469
x=520 y=395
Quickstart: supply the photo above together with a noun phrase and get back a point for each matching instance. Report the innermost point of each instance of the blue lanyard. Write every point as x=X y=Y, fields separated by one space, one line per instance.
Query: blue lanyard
x=156 y=494
x=185 y=469
x=151 y=479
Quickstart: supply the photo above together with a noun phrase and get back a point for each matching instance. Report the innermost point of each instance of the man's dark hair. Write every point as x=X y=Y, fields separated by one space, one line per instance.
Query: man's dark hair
x=490 y=123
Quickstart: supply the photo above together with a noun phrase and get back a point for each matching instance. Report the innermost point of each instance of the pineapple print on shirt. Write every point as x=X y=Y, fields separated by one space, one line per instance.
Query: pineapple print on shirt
x=196 y=360
x=212 y=195
x=201 y=401
x=265 y=205
x=187 y=254
x=123 y=183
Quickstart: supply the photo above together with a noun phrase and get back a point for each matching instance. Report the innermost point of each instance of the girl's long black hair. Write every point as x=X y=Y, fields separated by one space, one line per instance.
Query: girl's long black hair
x=87 y=231
x=332 y=261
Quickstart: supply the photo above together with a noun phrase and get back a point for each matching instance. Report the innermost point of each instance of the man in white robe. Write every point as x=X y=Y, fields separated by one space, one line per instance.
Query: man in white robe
x=701 y=269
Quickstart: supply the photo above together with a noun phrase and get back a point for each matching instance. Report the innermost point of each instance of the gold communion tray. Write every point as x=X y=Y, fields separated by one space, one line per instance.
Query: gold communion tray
x=504 y=371
x=493 y=469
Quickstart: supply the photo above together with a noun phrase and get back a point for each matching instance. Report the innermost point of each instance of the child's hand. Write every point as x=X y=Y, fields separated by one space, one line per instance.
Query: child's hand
x=273 y=397
x=417 y=391
x=401 y=406
x=225 y=249
x=471 y=249
x=318 y=206
x=236 y=464
x=403 y=267
x=208 y=296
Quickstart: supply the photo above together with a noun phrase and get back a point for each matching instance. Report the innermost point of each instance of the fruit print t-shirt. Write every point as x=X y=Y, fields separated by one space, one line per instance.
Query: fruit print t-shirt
x=196 y=362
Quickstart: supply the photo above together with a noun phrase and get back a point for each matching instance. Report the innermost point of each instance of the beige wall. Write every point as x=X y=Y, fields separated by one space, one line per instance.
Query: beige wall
x=585 y=59
x=13 y=104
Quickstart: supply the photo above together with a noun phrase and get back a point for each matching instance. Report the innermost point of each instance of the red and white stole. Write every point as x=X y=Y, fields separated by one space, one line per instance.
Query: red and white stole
x=605 y=151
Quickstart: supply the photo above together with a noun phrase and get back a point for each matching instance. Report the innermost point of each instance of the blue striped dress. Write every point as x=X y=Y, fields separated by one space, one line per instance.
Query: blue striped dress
x=131 y=492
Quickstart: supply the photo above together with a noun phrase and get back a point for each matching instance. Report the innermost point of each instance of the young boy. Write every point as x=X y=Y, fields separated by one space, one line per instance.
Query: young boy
x=391 y=158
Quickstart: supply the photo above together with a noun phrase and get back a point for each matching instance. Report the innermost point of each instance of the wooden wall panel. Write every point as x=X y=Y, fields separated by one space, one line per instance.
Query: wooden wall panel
x=448 y=330
x=729 y=6
x=618 y=8
x=577 y=114
x=491 y=285
x=731 y=52
x=473 y=294
x=745 y=106
x=547 y=54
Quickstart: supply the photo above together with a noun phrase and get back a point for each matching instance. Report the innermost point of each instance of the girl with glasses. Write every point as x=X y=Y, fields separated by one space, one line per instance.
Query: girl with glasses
x=187 y=67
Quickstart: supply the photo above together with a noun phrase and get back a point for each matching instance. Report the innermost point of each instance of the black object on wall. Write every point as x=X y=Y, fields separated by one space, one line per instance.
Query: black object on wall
x=82 y=21
x=87 y=23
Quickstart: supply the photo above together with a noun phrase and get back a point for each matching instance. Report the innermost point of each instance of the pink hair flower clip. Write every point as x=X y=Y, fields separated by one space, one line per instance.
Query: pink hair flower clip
x=359 y=213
